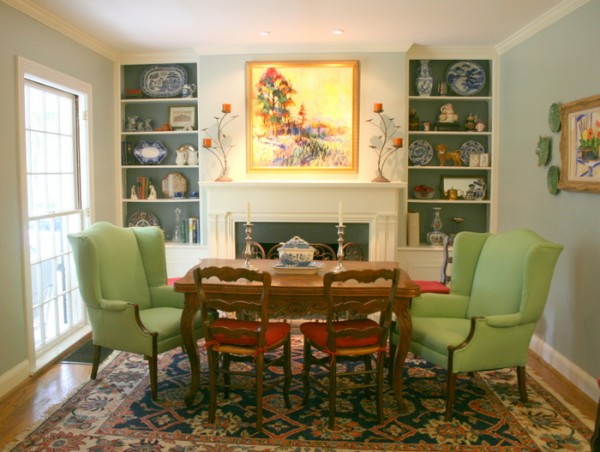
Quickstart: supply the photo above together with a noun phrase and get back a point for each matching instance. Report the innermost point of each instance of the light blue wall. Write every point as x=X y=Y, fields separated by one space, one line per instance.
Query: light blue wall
x=559 y=64
x=23 y=36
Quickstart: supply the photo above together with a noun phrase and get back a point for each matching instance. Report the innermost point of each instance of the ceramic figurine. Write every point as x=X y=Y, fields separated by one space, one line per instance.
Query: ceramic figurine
x=182 y=156
x=192 y=156
x=447 y=114
x=133 y=193
x=131 y=123
x=152 y=194
x=148 y=125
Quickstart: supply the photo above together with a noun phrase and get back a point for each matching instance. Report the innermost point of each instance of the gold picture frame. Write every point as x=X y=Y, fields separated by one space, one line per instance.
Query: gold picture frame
x=580 y=145
x=302 y=116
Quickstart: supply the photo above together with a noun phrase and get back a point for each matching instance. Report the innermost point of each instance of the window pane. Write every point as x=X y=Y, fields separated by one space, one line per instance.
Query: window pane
x=51 y=113
x=50 y=321
x=53 y=153
x=66 y=116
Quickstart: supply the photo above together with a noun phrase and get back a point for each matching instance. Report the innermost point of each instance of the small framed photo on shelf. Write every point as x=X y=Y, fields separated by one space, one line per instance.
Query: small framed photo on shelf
x=182 y=118
x=484 y=159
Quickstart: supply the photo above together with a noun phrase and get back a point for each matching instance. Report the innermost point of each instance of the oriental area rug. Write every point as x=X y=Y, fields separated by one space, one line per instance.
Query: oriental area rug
x=116 y=413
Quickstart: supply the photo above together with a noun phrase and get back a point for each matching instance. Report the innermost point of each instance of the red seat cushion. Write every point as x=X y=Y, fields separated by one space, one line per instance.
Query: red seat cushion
x=171 y=281
x=432 y=286
x=317 y=332
x=275 y=332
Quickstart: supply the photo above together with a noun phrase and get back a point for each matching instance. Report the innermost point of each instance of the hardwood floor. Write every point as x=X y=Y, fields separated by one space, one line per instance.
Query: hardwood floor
x=28 y=403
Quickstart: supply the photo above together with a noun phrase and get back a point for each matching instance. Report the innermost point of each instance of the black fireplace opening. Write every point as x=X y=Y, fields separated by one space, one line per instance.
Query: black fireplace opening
x=270 y=234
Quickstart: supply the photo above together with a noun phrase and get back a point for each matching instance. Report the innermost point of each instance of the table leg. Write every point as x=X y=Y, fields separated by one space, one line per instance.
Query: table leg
x=189 y=342
x=402 y=311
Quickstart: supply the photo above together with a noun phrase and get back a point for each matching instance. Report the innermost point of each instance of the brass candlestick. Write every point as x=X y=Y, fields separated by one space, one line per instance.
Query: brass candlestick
x=340 y=251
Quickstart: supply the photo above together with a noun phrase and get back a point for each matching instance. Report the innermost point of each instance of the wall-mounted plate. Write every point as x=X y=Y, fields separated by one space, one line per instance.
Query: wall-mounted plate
x=543 y=150
x=554 y=117
x=553 y=177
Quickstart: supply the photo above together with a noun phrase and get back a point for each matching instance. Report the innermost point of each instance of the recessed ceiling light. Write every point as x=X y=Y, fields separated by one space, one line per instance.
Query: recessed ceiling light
x=265 y=33
x=338 y=32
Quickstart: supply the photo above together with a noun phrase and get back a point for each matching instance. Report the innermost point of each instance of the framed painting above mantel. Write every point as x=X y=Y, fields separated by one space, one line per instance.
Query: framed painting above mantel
x=302 y=116
x=580 y=145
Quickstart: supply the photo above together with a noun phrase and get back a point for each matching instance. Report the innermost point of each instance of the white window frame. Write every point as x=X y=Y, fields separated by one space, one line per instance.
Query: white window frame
x=31 y=70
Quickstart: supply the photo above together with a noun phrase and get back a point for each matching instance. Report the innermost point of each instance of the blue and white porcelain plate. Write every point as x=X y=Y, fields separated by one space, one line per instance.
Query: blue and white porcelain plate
x=468 y=148
x=150 y=152
x=420 y=152
x=163 y=80
x=465 y=78
x=310 y=269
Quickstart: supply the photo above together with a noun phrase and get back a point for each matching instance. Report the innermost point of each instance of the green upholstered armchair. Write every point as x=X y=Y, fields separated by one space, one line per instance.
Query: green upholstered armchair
x=500 y=283
x=123 y=281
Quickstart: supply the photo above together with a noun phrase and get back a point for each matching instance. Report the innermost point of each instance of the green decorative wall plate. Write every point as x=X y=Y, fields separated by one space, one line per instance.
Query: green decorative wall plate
x=554 y=117
x=543 y=150
x=553 y=177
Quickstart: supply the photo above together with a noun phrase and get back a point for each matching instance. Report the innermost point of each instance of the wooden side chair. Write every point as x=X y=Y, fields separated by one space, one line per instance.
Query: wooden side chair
x=359 y=339
x=442 y=284
x=236 y=339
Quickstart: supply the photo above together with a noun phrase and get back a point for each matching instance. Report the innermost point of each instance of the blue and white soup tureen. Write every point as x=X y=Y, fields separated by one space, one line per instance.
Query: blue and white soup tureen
x=296 y=253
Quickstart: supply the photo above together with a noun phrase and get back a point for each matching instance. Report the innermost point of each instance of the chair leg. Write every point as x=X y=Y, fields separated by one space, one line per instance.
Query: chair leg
x=380 y=363
x=260 y=361
x=391 y=364
x=305 y=371
x=368 y=366
x=450 y=394
x=522 y=383
x=95 y=361
x=226 y=375
x=212 y=385
x=332 y=391
x=153 y=365
x=287 y=372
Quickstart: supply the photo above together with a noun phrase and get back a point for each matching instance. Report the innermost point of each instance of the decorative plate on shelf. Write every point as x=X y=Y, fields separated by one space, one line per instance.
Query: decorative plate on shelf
x=468 y=148
x=554 y=117
x=310 y=269
x=420 y=152
x=543 y=150
x=174 y=183
x=143 y=219
x=150 y=152
x=163 y=80
x=553 y=177
x=465 y=78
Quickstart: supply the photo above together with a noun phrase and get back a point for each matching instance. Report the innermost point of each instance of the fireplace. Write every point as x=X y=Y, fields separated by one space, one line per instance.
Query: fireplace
x=269 y=234
x=309 y=209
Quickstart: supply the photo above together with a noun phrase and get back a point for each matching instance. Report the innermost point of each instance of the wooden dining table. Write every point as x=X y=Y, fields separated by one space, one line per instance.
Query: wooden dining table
x=293 y=295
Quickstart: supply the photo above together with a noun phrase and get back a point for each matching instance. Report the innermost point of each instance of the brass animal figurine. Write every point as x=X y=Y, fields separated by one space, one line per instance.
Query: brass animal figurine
x=444 y=155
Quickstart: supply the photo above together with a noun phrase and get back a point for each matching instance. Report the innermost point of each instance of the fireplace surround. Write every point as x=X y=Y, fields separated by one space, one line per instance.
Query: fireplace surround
x=371 y=211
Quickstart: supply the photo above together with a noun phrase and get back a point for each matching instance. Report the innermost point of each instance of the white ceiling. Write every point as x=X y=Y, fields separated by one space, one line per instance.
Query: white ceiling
x=127 y=27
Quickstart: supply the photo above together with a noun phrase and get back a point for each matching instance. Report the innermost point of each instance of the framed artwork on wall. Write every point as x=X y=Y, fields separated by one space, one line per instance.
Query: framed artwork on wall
x=302 y=116
x=580 y=145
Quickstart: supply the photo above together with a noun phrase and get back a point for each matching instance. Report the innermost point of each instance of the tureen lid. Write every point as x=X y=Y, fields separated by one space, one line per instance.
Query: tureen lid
x=296 y=242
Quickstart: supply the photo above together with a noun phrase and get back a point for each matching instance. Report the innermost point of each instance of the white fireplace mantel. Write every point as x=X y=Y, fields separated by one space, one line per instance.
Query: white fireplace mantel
x=378 y=204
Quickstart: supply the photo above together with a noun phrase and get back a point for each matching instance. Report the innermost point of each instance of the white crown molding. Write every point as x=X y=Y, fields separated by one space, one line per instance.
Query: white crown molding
x=76 y=34
x=554 y=15
x=452 y=52
x=304 y=48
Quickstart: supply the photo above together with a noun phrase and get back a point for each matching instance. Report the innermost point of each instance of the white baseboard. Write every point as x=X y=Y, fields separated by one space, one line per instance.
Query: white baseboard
x=13 y=378
x=566 y=368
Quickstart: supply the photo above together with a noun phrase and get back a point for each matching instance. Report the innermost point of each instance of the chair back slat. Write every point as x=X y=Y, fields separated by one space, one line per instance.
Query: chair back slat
x=358 y=308
x=233 y=276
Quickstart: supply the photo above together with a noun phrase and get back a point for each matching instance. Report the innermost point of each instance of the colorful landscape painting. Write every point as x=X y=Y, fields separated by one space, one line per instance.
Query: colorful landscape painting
x=303 y=115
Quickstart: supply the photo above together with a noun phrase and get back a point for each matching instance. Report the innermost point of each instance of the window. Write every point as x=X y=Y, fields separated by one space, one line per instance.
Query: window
x=55 y=201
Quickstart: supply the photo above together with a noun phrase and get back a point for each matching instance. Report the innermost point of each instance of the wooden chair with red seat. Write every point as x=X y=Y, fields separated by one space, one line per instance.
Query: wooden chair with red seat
x=440 y=286
x=359 y=339
x=236 y=339
x=595 y=441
